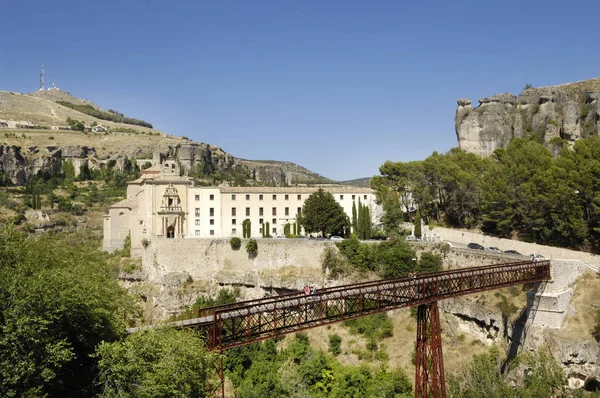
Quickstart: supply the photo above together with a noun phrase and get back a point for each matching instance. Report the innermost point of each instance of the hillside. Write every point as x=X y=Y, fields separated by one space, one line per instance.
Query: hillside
x=41 y=109
x=364 y=182
x=545 y=114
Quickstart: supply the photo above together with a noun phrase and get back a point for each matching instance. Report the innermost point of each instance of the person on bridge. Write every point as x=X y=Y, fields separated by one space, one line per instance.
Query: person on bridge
x=306 y=289
x=314 y=291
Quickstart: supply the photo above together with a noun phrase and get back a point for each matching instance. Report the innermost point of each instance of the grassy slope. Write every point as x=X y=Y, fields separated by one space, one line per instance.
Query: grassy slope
x=41 y=109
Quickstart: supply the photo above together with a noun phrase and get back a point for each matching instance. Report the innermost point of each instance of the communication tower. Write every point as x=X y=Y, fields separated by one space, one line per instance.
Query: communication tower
x=42 y=78
x=53 y=84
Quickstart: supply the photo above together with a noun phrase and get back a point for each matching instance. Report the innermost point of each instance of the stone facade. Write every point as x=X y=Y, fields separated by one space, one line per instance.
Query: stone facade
x=163 y=204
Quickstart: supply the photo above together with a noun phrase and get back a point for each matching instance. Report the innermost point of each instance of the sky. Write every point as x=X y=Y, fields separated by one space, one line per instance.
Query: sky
x=338 y=87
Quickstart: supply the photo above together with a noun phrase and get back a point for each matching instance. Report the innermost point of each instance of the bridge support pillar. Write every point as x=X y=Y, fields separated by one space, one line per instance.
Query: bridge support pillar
x=429 y=379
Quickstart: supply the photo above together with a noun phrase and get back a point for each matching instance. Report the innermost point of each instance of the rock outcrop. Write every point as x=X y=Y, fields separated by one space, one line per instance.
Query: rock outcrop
x=570 y=112
x=18 y=165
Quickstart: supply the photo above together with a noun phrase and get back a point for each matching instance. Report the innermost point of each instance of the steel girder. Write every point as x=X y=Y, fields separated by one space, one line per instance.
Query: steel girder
x=429 y=374
x=243 y=323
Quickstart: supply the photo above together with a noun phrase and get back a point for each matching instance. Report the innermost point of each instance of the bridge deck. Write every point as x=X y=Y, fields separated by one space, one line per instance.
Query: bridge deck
x=253 y=320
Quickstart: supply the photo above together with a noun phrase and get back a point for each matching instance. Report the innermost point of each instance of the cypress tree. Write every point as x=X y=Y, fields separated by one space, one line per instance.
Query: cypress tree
x=354 y=218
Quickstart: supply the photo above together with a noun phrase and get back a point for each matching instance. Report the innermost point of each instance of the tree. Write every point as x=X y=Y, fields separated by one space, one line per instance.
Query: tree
x=246 y=228
x=155 y=363
x=252 y=247
x=417 y=224
x=58 y=299
x=235 y=243
x=321 y=213
x=354 y=218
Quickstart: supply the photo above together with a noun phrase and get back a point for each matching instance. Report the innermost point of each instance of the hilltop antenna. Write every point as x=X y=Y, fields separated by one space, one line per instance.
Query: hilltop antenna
x=42 y=78
x=54 y=83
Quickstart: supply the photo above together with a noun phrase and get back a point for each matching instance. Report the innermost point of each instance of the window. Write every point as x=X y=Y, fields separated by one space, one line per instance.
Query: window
x=260 y=211
x=353 y=197
x=274 y=230
x=341 y=197
x=212 y=222
x=299 y=197
x=260 y=197
x=365 y=197
x=287 y=197
x=197 y=197
x=197 y=212
x=212 y=211
x=233 y=231
x=232 y=196
x=197 y=232
x=287 y=211
x=233 y=211
x=299 y=211
x=247 y=212
x=212 y=231
x=274 y=211
x=260 y=221
x=247 y=197
x=274 y=197
x=274 y=221
x=197 y=222
x=233 y=221
x=212 y=197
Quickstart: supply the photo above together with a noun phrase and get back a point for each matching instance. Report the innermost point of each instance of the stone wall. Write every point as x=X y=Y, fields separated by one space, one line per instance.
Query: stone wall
x=281 y=263
x=549 y=252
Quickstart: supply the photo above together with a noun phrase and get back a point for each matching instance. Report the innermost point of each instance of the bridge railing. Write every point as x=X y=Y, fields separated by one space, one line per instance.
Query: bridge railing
x=270 y=317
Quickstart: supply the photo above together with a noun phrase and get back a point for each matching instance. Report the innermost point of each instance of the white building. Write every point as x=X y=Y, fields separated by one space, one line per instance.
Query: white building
x=163 y=204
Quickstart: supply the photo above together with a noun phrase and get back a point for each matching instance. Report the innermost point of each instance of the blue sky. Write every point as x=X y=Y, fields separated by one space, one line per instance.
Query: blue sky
x=338 y=87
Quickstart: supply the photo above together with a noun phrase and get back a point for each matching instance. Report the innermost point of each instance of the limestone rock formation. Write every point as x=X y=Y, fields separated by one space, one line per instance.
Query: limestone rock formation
x=569 y=112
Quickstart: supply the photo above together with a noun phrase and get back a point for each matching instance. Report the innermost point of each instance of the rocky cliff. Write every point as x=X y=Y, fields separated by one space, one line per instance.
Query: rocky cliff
x=18 y=164
x=569 y=111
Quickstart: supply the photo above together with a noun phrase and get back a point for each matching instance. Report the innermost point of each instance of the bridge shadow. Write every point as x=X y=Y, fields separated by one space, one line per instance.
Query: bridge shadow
x=522 y=324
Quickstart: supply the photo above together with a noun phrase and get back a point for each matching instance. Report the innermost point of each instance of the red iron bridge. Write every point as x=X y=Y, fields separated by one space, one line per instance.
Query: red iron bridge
x=245 y=322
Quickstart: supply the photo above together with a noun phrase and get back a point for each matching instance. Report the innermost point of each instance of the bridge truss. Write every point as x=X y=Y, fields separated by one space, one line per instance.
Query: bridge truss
x=246 y=322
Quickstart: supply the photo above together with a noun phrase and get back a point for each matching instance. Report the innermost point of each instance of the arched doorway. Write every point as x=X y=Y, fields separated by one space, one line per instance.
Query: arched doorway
x=171 y=232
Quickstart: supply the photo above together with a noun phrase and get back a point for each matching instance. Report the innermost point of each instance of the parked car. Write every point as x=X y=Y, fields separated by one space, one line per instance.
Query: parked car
x=493 y=249
x=512 y=252
x=338 y=238
x=475 y=246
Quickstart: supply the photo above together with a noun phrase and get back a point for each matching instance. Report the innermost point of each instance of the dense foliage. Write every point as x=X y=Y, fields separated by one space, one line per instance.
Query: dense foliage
x=322 y=214
x=261 y=370
x=98 y=114
x=155 y=363
x=522 y=189
x=58 y=300
x=542 y=378
x=235 y=243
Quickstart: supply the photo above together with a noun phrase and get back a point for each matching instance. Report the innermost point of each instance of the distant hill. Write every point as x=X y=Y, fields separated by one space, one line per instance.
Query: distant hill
x=41 y=109
x=364 y=182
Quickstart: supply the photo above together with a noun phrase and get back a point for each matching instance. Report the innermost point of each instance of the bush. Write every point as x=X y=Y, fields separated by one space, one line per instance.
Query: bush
x=252 y=247
x=335 y=343
x=235 y=243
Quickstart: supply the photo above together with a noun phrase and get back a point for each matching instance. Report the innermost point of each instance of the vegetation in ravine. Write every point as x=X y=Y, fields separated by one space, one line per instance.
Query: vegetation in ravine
x=263 y=370
x=388 y=259
x=522 y=190
x=59 y=299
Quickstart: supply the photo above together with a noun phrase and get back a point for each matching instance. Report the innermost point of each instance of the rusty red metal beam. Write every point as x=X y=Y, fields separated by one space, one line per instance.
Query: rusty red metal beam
x=244 y=323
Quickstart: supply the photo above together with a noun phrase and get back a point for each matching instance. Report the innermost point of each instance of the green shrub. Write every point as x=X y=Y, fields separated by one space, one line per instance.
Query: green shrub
x=335 y=344
x=252 y=247
x=235 y=243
